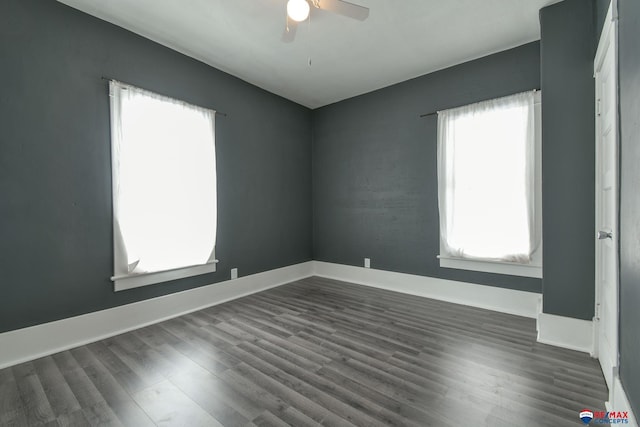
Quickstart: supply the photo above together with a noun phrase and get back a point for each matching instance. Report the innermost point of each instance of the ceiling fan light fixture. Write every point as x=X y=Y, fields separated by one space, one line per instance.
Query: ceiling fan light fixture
x=298 y=10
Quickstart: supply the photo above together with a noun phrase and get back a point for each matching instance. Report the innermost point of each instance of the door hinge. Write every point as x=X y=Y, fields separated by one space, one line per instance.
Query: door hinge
x=598 y=107
x=597 y=313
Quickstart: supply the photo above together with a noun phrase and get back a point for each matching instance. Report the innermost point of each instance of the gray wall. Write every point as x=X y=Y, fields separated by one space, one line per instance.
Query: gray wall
x=568 y=157
x=374 y=167
x=600 y=13
x=629 y=57
x=55 y=175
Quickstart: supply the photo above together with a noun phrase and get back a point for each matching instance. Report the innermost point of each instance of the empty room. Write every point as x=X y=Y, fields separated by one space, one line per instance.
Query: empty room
x=319 y=212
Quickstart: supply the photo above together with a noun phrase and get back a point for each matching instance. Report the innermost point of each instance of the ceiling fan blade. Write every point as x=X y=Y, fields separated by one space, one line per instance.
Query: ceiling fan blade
x=345 y=8
x=289 y=34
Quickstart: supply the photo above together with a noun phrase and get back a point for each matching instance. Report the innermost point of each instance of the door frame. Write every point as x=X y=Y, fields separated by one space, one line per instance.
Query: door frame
x=608 y=40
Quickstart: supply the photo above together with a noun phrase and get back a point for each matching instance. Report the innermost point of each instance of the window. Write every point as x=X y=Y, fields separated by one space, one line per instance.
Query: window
x=164 y=187
x=489 y=192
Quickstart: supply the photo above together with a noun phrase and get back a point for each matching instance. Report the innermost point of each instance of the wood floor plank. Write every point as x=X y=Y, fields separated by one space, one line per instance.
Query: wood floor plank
x=11 y=406
x=126 y=377
x=411 y=415
x=296 y=418
x=267 y=419
x=150 y=369
x=303 y=381
x=219 y=334
x=481 y=376
x=293 y=398
x=168 y=406
x=129 y=413
x=259 y=397
x=200 y=356
x=73 y=419
x=284 y=351
x=35 y=404
x=216 y=397
x=101 y=414
x=83 y=389
x=65 y=362
x=348 y=397
x=56 y=389
x=6 y=375
x=110 y=389
x=198 y=339
x=155 y=336
x=309 y=353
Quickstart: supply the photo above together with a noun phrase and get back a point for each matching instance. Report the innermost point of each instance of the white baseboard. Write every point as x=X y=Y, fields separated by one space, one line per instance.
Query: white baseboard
x=27 y=344
x=566 y=332
x=520 y=303
x=30 y=343
x=618 y=401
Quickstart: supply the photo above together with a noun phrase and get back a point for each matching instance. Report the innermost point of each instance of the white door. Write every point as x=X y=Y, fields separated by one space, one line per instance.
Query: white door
x=607 y=204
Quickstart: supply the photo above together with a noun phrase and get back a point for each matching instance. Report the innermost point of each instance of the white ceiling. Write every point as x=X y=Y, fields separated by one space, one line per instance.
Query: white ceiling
x=401 y=39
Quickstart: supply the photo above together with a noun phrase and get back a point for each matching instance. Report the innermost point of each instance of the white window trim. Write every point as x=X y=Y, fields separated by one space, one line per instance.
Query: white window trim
x=534 y=268
x=136 y=280
x=131 y=281
x=498 y=267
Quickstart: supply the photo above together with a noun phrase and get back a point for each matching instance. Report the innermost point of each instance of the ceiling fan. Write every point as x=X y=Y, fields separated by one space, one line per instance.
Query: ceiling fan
x=298 y=11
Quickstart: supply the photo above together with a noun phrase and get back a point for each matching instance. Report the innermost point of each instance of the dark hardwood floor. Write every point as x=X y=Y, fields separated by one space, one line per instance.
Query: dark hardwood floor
x=312 y=352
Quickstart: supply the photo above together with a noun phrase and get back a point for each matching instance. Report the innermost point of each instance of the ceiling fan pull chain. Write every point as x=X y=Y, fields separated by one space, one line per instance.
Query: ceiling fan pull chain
x=309 y=38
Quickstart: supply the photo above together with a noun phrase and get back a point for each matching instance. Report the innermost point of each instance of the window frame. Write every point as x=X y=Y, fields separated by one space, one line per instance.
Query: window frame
x=124 y=281
x=533 y=269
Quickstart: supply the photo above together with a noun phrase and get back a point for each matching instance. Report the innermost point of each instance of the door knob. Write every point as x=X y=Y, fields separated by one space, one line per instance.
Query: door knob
x=604 y=235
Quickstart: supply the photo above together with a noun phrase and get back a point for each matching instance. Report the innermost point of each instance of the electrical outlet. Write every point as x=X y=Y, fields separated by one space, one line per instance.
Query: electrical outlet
x=367 y=263
x=234 y=273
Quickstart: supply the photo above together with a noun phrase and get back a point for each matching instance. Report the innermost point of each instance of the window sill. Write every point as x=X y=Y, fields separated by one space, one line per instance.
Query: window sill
x=498 y=267
x=130 y=281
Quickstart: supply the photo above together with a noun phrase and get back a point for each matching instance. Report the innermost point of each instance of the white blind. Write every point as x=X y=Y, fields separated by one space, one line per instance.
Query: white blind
x=486 y=179
x=164 y=181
